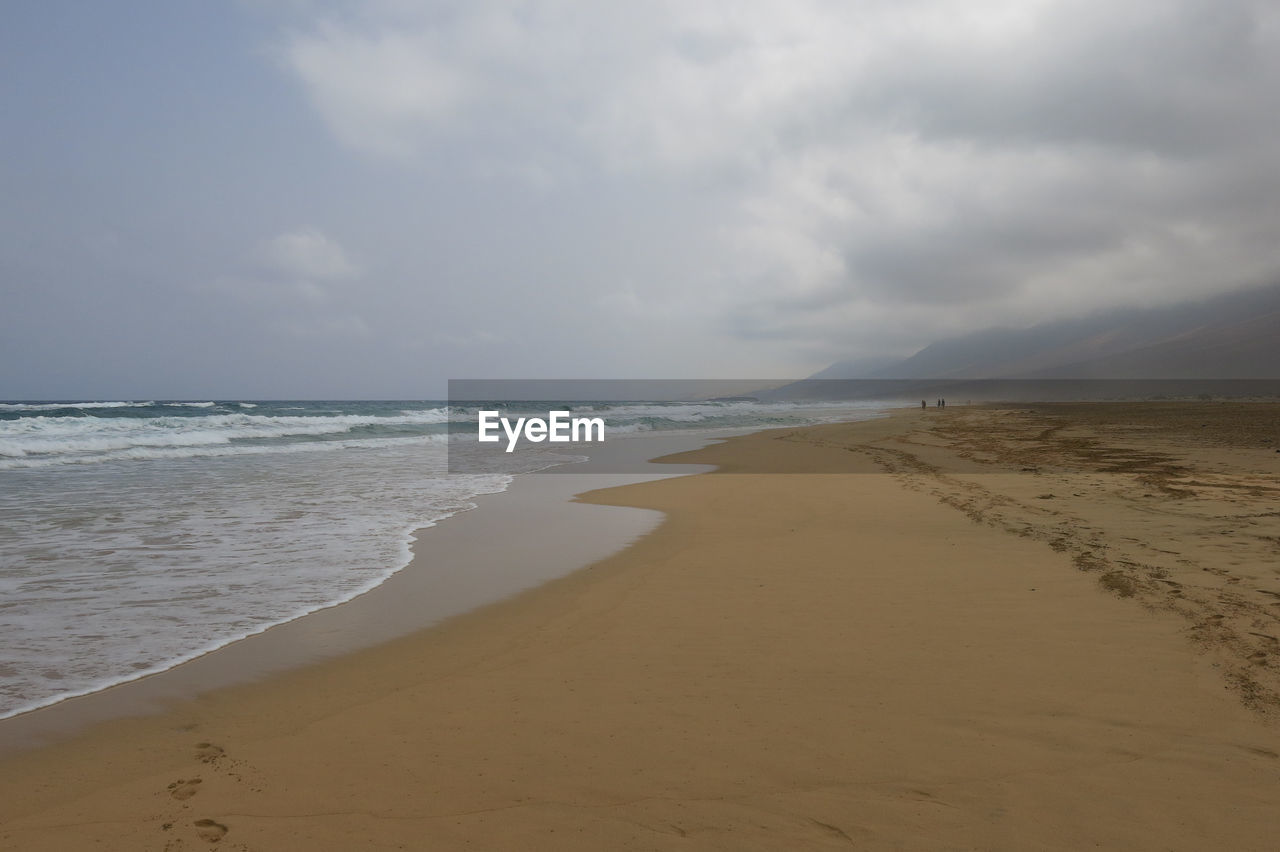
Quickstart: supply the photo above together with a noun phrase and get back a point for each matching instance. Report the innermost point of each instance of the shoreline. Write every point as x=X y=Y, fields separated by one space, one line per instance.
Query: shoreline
x=898 y=659
x=454 y=550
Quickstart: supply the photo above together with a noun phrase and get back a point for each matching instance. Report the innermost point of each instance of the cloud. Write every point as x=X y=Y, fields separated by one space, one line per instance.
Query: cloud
x=883 y=171
x=293 y=285
x=309 y=255
x=377 y=91
x=324 y=327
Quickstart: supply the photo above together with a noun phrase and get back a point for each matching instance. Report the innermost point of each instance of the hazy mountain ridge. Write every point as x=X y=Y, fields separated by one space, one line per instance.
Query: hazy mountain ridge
x=1234 y=336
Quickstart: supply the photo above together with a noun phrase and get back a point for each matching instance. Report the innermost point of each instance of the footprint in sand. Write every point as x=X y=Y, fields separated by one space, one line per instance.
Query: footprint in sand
x=183 y=789
x=210 y=831
x=208 y=752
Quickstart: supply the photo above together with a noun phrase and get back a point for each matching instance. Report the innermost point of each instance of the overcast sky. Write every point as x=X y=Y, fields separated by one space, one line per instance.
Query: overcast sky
x=283 y=198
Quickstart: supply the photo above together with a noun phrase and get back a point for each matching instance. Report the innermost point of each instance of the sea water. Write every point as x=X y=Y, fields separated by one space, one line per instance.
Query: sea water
x=135 y=535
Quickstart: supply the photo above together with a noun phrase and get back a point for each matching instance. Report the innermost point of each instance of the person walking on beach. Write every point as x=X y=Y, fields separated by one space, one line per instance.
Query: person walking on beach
x=922 y=405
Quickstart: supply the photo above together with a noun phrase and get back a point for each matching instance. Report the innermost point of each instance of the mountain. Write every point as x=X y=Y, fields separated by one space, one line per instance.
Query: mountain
x=1234 y=336
x=856 y=368
x=1247 y=349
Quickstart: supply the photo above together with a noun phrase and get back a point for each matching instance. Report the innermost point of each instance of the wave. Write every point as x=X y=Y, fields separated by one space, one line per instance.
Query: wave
x=192 y=452
x=124 y=653
x=59 y=406
x=38 y=440
x=628 y=417
x=53 y=433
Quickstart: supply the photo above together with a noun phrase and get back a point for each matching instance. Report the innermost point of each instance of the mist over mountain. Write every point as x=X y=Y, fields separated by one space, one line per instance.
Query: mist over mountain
x=1233 y=336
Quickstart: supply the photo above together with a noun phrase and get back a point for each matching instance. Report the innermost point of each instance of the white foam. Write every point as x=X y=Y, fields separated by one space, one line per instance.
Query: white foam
x=41 y=439
x=108 y=576
x=190 y=452
x=55 y=406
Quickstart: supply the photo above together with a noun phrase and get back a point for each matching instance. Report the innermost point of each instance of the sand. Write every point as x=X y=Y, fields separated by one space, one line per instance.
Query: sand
x=1041 y=628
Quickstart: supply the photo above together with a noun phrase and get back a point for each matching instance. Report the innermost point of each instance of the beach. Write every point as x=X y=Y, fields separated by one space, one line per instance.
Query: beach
x=1033 y=627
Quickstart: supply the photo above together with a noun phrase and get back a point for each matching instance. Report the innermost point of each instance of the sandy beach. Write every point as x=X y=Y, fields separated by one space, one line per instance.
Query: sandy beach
x=1041 y=627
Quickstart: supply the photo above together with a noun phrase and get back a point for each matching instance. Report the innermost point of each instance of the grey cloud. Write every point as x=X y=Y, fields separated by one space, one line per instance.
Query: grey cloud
x=757 y=185
x=1182 y=79
x=308 y=254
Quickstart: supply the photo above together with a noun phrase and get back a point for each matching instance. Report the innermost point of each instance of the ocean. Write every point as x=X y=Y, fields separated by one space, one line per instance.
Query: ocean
x=135 y=535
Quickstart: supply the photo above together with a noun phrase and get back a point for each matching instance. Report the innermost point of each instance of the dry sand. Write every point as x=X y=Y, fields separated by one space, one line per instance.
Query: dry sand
x=1042 y=628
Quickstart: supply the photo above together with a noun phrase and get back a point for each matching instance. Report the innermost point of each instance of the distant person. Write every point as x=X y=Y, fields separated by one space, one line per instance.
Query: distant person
x=944 y=402
x=922 y=405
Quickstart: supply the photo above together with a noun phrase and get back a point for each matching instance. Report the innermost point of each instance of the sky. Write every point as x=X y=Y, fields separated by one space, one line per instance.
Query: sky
x=295 y=199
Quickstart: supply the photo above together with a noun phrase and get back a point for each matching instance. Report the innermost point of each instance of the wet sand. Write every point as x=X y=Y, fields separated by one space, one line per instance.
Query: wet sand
x=1035 y=628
